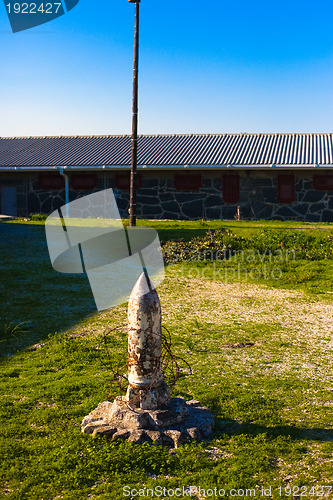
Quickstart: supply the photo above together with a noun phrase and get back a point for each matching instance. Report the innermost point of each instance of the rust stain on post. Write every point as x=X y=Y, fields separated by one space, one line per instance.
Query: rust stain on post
x=147 y=388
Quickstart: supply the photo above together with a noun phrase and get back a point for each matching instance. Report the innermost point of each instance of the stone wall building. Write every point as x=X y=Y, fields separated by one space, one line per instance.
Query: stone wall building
x=268 y=176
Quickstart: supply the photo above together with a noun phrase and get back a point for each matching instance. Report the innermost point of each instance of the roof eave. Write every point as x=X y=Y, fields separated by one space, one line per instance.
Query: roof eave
x=47 y=168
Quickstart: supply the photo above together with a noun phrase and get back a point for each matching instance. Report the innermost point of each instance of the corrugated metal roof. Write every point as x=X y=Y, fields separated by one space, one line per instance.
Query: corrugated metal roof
x=169 y=150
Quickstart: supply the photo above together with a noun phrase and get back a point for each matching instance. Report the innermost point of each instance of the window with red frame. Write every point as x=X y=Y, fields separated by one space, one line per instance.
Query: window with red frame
x=231 y=188
x=190 y=182
x=323 y=182
x=84 y=181
x=122 y=181
x=286 y=188
x=51 y=182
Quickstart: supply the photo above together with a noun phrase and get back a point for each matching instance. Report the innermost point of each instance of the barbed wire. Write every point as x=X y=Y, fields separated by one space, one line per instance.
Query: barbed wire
x=172 y=365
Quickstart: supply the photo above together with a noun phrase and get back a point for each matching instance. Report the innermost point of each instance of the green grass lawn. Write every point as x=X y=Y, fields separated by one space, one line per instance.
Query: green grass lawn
x=260 y=351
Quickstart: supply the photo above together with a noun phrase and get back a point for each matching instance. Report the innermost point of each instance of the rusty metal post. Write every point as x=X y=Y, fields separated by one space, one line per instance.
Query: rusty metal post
x=147 y=388
x=134 y=142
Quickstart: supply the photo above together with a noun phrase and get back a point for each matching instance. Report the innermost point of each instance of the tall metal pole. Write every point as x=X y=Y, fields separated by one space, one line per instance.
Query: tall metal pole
x=133 y=180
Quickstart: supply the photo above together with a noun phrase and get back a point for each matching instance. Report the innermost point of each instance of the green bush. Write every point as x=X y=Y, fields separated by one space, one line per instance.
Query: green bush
x=213 y=245
x=223 y=244
x=38 y=217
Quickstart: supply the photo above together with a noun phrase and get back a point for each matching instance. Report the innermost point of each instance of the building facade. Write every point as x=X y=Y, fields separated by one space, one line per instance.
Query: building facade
x=256 y=176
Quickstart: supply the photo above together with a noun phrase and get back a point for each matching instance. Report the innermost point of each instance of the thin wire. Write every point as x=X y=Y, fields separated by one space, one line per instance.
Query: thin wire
x=171 y=365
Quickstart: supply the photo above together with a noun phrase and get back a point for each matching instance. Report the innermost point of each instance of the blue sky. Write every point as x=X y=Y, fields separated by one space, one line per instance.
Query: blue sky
x=205 y=67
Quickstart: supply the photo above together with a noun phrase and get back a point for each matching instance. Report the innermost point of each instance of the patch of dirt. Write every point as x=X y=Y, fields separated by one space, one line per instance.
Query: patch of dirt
x=297 y=329
x=223 y=303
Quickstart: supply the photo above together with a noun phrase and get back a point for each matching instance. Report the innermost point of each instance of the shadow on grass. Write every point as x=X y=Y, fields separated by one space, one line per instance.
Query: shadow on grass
x=176 y=233
x=180 y=233
x=35 y=300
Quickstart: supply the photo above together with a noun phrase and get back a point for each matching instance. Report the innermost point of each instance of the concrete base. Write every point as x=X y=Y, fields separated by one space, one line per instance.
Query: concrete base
x=145 y=399
x=171 y=424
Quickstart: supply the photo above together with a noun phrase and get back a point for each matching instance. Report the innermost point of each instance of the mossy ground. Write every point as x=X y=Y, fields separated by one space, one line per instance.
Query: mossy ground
x=261 y=354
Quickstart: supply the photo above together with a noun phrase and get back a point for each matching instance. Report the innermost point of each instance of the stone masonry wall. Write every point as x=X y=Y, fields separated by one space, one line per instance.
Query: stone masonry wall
x=158 y=199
